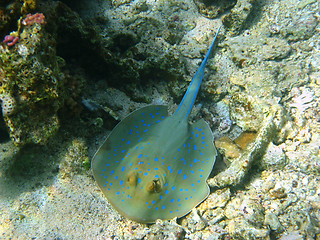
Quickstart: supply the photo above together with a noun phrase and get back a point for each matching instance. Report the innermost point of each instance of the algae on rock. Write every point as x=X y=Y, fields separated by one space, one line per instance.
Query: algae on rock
x=30 y=75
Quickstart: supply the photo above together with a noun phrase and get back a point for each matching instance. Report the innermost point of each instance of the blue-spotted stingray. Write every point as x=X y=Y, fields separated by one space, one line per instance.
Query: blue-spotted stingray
x=154 y=166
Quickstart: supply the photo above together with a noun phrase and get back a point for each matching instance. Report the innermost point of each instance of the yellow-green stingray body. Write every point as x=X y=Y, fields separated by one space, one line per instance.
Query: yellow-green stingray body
x=154 y=166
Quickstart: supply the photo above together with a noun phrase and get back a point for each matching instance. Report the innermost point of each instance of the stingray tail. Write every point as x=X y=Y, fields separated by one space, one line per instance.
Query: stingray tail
x=191 y=94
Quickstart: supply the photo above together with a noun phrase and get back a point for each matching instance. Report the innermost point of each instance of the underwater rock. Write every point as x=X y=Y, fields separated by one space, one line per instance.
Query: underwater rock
x=234 y=20
x=270 y=127
x=211 y=8
x=300 y=28
x=227 y=147
x=250 y=48
x=30 y=75
x=216 y=199
x=76 y=159
x=246 y=111
x=239 y=228
x=249 y=209
x=274 y=158
x=273 y=222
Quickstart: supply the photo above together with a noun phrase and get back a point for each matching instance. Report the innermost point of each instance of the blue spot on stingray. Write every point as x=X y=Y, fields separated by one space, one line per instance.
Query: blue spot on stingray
x=164 y=174
x=171 y=211
x=201 y=176
x=112 y=172
x=156 y=169
x=144 y=124
x=140 y=140
x=149 y=206
x=166 y=184
x=140 y=156
x=146 y=130
x=186 y=189
x=123 y=151
x=123 y=168
x=196 y=128
x=142 y=120
x=121 y=182
x=169 y=167
x=191 y=165
x=166 y=192
x=163 y=207
x=179 y=172
x=141 y=147
x=178 y=149
x=203 y=137
x=156 y=159
x=192 y=171
x=195 y=160
x=140 y=163
x=116 y=177
x=178 y=200
x=156 y=208
x=173 y=188
x=156 y=176
x=185 y=177
x=103 y=170
x=139 y=180
x=181 y=190
x=186 y=198
x=197 y=135
x=195 y=147
x=146 y=174
x=136 y=168
x=172 y=200
x=161 y=197
x=153 y=202
x=118 y=193
x=203 y=142
x=201 y=154
x=111 y=184
x=147 y=203
x=200 y=129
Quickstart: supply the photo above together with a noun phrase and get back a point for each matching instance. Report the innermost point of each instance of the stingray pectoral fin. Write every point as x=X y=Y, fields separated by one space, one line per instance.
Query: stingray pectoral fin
x=130 y=131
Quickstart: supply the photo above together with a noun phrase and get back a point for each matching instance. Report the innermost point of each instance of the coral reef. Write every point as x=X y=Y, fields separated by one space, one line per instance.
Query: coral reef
x=30 y=77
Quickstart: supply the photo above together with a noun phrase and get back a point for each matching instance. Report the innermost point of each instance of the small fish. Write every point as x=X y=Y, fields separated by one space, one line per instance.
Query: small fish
x=154 y=166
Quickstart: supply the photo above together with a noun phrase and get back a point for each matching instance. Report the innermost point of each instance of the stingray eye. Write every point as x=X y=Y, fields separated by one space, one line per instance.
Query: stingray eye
x=132 y=178
x=154 y=186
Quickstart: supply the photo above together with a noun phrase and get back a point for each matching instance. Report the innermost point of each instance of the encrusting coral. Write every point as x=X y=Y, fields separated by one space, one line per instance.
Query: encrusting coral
x=30 y=83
